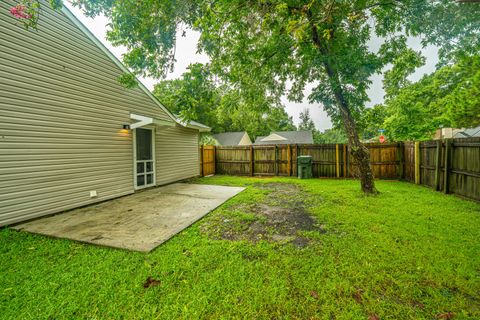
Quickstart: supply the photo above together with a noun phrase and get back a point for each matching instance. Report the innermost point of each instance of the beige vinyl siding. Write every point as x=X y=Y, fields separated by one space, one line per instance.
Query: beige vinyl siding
x=61 y=116
x=245 y=141
x=177 y=154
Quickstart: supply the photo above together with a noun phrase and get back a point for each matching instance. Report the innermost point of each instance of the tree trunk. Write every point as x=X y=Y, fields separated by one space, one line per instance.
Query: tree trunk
x=359 y=152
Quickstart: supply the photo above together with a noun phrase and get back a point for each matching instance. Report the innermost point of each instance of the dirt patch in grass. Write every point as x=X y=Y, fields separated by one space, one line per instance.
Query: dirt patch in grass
x=280 y=217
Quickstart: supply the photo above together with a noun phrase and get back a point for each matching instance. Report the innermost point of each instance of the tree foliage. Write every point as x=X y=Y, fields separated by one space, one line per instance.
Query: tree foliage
x=259 y=43
x=449 y=97
x=306 y=122
x=333 y=135
x=197 y=96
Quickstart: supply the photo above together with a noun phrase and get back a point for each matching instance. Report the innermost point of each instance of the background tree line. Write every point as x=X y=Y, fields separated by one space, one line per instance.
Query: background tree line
x=449 y=97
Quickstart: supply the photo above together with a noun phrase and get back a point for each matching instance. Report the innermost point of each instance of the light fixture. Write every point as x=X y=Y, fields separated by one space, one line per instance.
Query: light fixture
x=126 y=127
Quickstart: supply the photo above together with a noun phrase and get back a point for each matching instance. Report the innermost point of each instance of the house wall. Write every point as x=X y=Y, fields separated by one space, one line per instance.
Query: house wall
x=177 y=154
x=245 y=140
x=61 y=117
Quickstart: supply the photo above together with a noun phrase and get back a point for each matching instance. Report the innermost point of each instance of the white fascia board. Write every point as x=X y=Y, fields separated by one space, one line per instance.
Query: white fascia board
x=200 y=129
x=100 y=45
x=142 y=121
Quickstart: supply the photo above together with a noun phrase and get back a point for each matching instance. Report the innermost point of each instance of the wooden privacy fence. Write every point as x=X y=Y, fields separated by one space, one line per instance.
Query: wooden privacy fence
x=207 y=160
x=329 y=160
x=451 y=165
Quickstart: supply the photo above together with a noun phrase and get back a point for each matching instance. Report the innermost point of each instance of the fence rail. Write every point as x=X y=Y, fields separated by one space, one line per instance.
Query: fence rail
x=451 y=165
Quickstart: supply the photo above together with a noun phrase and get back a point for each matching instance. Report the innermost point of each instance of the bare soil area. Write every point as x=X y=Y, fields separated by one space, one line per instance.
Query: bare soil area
x=281 y=217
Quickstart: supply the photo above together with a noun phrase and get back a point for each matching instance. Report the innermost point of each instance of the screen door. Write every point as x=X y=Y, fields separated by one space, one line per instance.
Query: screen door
x=144 y=155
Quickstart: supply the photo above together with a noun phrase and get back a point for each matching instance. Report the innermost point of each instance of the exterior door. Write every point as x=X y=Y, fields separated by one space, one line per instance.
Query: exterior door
x=144 y=158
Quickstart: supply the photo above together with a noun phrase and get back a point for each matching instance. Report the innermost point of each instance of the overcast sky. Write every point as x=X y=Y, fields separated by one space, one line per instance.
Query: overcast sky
x=186 y=54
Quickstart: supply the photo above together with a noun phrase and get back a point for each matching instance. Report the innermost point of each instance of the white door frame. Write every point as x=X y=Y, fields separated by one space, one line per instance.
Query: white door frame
x=134 y=133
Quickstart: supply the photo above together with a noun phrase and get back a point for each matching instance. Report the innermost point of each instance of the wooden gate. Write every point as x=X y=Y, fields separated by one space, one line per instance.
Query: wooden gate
x=207 y=160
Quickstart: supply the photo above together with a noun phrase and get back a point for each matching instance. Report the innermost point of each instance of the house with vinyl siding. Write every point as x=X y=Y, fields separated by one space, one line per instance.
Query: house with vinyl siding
x=70 y=133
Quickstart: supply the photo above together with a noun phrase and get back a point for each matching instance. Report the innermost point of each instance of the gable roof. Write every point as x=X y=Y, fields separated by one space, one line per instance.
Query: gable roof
x=274 y=137
x=101 y=46
x=468 y=133
x=229 y=138
x=472 y=132
x=286 y=137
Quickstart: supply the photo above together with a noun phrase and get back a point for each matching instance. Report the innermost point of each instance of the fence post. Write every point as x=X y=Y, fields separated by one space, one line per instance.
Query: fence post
x=437 y=164
x=401 y=160
x=448 y=156
x=251 y=160
x=347 y=171
x=417 y=162
x=214 y=159
x=296 y=157
x=289 y=160
x=337 y=160
x=344 y=160
x=201 y=160
x=276 y=160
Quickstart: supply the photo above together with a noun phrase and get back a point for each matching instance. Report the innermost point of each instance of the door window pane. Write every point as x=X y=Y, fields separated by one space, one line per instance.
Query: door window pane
x=150 y=178
x=140 y=167
x=149 y=166
x=144 y=144
x=141 y=180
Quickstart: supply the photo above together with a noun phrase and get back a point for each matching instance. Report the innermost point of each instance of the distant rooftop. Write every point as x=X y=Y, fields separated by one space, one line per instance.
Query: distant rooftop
x=286 y=137
x=229 y=138
x=468 y=133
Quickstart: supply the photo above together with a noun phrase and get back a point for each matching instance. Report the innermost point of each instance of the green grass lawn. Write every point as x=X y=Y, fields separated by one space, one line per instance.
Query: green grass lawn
x=409 y=253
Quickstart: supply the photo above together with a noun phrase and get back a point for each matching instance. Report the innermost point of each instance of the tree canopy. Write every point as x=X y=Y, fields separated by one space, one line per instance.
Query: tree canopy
x=260 y=43
x=197 y=96
x=449 y=97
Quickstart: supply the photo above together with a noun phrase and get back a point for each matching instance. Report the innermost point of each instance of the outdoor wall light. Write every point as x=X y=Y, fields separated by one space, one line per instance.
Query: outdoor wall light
x=126 y=127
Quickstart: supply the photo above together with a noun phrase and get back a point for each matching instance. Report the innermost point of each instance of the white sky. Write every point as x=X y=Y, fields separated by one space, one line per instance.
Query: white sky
x=187 y=53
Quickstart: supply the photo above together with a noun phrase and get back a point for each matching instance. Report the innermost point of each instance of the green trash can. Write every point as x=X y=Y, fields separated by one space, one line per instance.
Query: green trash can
x=304 y=166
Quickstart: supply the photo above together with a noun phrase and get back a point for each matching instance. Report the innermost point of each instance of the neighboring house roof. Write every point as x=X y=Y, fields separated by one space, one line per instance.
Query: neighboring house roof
x=468 y=133
x=473 y=132
x=229 y=138
x=287 y=137
x=198 y=125
x=81 y=26
x=274 y=137
x=460 y=135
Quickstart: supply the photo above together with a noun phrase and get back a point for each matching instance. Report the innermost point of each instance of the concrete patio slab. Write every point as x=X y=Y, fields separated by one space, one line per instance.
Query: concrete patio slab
x=140 y=221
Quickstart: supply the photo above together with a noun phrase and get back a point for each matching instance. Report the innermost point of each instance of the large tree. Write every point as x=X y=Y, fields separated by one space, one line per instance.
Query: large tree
x=278 y=46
